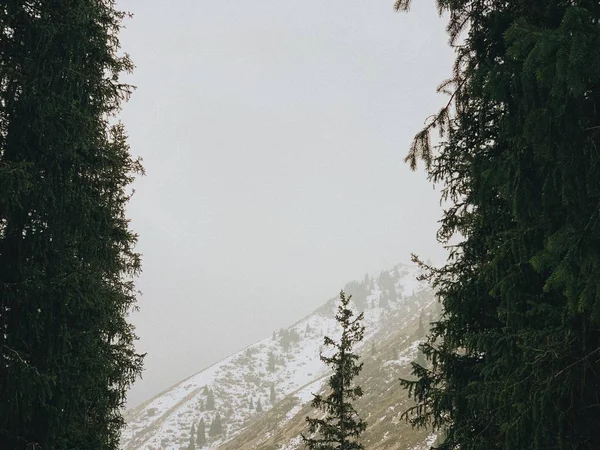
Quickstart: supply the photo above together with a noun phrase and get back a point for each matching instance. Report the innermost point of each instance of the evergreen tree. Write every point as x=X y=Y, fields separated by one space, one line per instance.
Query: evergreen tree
x=285 y=340
x=216 y=427
x=514 y=357
x=420 y=333
x=294 y=336
x=251 y=403
x=271 y=362
x=67 y=259
x=210 y=400
x=192 y=444
x=201 y=434
x=272 y=396
x=359 y=293
x=259 y=407
x=341 y=427
x=384 y=301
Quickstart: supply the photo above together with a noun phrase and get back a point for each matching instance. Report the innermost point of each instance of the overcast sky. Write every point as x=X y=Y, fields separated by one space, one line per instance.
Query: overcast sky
x=273 y=134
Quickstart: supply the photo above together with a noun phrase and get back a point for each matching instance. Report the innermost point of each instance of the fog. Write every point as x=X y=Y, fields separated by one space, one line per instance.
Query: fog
x=273 y=135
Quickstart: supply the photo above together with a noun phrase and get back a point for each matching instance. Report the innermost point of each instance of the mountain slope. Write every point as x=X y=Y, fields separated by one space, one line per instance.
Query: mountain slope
x=288 y=364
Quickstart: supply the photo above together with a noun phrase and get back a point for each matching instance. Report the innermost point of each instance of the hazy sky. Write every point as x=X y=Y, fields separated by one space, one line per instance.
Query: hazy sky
x=273 y=134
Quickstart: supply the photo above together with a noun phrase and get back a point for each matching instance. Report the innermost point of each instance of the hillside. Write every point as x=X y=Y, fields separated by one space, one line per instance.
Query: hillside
x=286 y=366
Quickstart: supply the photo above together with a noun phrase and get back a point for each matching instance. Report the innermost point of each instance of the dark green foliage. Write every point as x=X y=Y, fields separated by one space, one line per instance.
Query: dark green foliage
x=271 y=362
x=287 y=338
x=421 y=359
x=388 y=289
x=384 y=300
x=192 y=444
x=210 y=400
x=201 y=434
x=216 y=426
x=420 y=333
x=67 y=259
x=515 y=356
x=359 y=292
x=341 y=427
x=272 y=396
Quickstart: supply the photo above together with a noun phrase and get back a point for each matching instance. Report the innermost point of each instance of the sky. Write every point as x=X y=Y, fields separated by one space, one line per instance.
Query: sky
x=273 y=135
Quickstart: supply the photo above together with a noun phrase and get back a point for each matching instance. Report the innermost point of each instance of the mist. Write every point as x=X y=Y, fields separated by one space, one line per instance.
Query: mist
x=273 y=136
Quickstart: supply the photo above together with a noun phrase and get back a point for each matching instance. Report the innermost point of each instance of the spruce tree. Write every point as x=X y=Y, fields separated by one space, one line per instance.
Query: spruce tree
x=272 y=396
x=216 y=427
x=210 y=400
x=384 y=301
x=341 y=427
x=271 y=362
x=259 y=407
x=201 y=434
x=192 y=443
x=515 y=355
x=67 y=258
x=420 y=333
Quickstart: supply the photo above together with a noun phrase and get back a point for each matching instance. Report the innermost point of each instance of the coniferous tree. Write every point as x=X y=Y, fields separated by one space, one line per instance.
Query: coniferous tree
x=341 y=427
x=420 y=333
x=259 y=407
x=359 y=293
x=210 y=400
x=251 y=403
x=514 y=356
x=294 y=336
x=67 y=259
x=272 y=396
x=192 y=443
x=384 y=301
x=216 y=426
x=271 y=362
x=285 y=340
x=201 y=434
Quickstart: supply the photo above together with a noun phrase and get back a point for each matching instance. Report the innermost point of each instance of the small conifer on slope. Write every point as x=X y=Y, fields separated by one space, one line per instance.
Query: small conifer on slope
x=341 y=427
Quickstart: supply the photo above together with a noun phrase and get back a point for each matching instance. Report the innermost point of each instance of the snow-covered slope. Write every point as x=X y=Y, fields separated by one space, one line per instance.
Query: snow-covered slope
x=288 y=363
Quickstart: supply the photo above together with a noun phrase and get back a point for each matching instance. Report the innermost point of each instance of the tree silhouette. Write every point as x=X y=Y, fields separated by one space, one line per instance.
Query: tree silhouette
x=341 y=427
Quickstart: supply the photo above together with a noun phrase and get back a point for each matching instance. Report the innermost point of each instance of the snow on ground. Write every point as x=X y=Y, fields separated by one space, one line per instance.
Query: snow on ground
x=244 y=377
